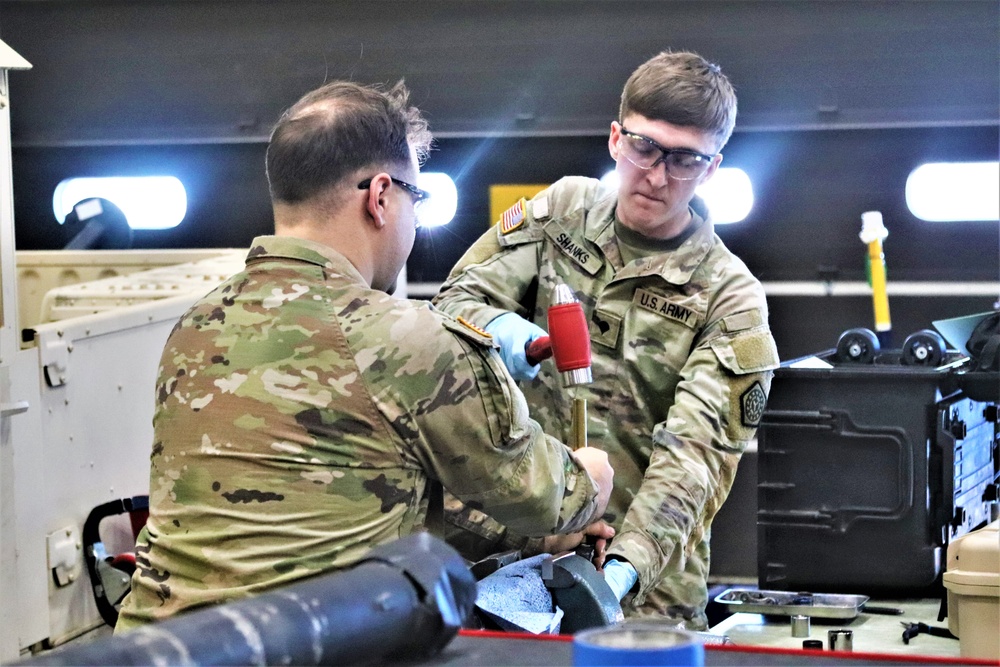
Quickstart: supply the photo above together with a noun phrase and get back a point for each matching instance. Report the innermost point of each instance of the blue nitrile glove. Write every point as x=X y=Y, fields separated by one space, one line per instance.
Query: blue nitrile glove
x=513 y=333
x=620 y=577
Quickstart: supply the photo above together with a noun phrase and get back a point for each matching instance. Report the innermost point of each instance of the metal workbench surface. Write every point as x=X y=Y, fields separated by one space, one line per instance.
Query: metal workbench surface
x=873 y=633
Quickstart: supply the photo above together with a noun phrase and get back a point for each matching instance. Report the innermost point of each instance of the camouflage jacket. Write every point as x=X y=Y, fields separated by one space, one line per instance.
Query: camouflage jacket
x=299 y=415
x=681 y=357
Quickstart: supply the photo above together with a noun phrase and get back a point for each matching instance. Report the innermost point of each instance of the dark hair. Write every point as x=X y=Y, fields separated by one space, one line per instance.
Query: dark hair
x=338 y=129
x=682 y=89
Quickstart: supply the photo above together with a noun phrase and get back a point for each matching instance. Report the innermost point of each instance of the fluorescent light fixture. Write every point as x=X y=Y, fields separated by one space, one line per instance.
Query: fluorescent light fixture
x=954 y=191
x=441 y=207
x=610 y=180
x=148 y=202
x=728 y=194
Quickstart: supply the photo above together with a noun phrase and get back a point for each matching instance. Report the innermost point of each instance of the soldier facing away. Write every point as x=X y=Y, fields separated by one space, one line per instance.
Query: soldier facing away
x=682 y=352
x=303 y=413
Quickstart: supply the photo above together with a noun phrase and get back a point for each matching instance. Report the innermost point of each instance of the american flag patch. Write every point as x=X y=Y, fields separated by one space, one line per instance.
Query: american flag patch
x=512 y=218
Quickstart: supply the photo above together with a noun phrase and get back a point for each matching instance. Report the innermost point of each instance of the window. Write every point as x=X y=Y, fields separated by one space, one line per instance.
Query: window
x=728 y=194
x=148 y=202
x=954 y=191
x=440 y=208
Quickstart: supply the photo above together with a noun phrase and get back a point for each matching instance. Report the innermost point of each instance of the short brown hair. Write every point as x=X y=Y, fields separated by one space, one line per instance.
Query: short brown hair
x=683 y=89
x=338 y=129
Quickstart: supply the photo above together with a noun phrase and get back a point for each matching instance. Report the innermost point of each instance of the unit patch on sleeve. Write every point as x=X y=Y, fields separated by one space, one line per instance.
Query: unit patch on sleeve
x=752 y=403
x=512 y=218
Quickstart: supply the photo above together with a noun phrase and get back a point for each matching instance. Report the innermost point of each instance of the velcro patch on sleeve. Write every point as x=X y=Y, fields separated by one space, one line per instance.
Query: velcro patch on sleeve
x=512 y=218
x=751 y=351
x=748 y=319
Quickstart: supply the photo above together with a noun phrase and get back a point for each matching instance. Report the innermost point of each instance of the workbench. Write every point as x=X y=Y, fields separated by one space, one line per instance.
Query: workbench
x=758 y=640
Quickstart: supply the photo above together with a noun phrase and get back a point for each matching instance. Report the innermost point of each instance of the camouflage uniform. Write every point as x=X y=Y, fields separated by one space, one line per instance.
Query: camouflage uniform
x=299 y=416
x=682 y=360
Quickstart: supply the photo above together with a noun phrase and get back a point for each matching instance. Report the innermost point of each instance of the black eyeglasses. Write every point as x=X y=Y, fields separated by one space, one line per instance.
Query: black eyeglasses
x=419 y=196
x=681 y=163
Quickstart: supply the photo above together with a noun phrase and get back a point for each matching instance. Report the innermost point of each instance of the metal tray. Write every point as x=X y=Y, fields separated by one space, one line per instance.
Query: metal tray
x=784 y=603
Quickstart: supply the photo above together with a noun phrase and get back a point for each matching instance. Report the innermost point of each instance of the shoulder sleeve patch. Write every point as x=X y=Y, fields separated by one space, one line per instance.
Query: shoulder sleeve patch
x=748 y=319
x=469 y=331
x=752 y=403
x=512 y=218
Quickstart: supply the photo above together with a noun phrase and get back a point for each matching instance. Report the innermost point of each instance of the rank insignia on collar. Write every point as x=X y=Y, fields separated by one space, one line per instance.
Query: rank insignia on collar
x=512 y=218
x=479 y=330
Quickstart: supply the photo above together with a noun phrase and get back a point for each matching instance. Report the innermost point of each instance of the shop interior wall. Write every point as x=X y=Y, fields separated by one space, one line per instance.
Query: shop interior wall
x=810 y=187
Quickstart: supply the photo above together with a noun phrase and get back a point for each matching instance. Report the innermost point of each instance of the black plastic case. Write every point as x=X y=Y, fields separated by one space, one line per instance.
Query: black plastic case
x=867 y=470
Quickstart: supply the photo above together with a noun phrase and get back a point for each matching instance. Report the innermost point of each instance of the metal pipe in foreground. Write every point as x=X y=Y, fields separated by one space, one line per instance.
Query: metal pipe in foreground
x=404 y=600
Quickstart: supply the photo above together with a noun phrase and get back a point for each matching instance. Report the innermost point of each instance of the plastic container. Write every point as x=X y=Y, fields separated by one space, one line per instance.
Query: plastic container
x=972 y=579
x=638 y=642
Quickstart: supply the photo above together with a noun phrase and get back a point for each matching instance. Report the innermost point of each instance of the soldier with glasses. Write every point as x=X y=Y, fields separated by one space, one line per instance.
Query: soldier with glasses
x=305 y=415
x=682 y=352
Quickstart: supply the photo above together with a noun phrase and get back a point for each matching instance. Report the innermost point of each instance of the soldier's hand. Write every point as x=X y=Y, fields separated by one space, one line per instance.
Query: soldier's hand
x=602 y=531
x=595 y=462
x=598 y=534
x=512 y=332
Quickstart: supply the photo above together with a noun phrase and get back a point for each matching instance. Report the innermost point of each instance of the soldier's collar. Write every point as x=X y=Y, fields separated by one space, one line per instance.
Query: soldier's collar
x=675 y=266
x=678 y=265
x=288 y=247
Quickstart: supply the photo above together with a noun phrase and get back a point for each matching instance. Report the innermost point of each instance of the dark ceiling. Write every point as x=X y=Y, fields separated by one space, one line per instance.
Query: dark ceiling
x=194 y=71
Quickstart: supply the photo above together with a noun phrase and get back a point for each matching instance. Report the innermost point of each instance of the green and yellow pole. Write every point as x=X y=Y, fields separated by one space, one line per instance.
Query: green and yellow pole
x=873 y=231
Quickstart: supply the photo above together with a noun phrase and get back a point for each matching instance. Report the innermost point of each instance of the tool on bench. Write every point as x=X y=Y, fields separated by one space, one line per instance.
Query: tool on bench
x=914 y=629
x=885 y=611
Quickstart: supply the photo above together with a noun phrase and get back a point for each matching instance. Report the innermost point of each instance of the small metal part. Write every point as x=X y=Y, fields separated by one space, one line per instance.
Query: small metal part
x=802 y=599
x=800 y=626
x=562 y=293
x=577 y=376
x=841 y=640
x=886 y=611
x=914 y=629
x=813 y=644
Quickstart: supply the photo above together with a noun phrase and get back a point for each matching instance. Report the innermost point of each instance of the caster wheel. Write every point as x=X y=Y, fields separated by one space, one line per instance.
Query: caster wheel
x=857 y=346
x=923 y=348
